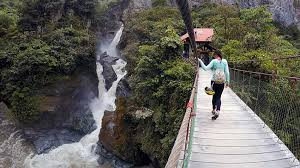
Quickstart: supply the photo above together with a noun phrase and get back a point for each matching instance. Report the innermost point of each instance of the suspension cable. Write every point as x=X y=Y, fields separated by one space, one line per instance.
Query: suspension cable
x=266 y=74
x=184 y=8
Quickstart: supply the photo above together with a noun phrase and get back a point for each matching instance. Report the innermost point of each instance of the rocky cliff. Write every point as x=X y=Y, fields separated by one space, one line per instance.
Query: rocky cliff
x=286 y=12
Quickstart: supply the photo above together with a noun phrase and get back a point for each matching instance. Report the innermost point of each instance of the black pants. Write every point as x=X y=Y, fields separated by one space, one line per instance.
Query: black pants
x=216 y=101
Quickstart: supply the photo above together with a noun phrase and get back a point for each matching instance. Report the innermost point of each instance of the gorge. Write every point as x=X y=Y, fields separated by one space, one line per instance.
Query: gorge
x=99 y=104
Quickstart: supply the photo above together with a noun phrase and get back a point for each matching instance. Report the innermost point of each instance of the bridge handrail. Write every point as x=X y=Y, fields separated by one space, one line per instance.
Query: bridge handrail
x=266 y=74
x=268 y=59
x=179 y=149
x=263 y=97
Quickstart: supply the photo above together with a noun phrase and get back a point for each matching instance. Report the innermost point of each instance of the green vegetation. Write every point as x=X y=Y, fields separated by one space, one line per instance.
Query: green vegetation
x=291 y=33
x=247 y=34
x=24 y=106
x=39 y=41
x=162 y=82
x=160 y=79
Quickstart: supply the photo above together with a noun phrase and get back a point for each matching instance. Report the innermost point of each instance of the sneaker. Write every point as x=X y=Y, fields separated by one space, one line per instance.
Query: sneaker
x=213 y=112
x=216 y=115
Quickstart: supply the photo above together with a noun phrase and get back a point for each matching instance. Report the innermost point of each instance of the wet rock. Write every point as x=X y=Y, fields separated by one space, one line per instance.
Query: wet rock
x=105 y=157
x=123 y=89
x=107 y=135
x=111 y=19
x=108 y=72
x=121 y=164
x=101 y=160
x=46 y=140
x=101 y=151
x=3 y=110
x=66 y=116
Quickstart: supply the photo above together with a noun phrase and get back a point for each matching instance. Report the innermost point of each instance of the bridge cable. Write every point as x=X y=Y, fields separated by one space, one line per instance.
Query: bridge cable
x=267 y=59
x=184 y=8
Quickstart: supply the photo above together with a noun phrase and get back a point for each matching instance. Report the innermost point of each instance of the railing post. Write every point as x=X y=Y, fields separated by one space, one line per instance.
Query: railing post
x=234 y=77
x=243 y=87
x=257 y=95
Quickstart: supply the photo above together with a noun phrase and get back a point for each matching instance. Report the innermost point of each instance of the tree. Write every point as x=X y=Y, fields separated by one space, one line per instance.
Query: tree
x=8 y=22
x=257 y=20
x=24 y=106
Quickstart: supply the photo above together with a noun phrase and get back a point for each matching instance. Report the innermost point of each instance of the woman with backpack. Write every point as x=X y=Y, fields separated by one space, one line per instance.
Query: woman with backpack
x=220 y=79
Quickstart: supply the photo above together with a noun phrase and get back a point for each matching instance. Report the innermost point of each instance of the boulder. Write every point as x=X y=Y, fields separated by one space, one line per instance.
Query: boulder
x=123 y=89
x=108 y=72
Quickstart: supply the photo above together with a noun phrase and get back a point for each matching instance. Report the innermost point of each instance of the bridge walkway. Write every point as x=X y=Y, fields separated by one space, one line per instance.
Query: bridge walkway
x=238 y=138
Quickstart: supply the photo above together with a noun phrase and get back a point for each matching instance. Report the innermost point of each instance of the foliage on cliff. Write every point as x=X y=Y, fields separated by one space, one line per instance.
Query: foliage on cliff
x=246 y=34
x=40 y=41
x=161 y=81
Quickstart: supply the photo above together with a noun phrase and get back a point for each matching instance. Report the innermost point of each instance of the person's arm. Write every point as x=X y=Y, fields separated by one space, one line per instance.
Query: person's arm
x=208 y=67
x=227 y=73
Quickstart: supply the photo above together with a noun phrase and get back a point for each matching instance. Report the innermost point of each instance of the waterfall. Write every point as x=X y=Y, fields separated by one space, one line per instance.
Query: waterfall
x=81 y=154
x=112 y=49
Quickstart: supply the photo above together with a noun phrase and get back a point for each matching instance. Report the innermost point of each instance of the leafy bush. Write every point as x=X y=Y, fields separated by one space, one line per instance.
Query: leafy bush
x=71 y=48
x=160 y=79
x=35 y=47
x=24 y=107
x=257 y=37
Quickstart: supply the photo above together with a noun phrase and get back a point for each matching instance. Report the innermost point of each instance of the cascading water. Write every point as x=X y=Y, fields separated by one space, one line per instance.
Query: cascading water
x=13 y=148
x=112 y=49
x=82 y=154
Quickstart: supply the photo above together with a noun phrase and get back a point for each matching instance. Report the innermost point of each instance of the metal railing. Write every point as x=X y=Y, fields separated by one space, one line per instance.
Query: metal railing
x=268 y=59
x=275 y=99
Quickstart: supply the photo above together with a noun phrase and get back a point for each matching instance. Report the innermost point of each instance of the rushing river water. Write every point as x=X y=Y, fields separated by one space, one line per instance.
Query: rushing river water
x=13 y=148
x=82 y=154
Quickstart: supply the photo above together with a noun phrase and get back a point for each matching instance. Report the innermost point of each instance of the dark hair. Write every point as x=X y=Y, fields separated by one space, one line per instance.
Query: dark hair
x=218 y=53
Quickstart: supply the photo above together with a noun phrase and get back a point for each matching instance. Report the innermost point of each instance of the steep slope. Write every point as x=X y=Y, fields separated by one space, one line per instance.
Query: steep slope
x=286 y=12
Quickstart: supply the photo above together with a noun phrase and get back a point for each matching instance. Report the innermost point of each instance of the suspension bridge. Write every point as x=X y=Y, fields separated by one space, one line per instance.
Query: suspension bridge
x=257 y=127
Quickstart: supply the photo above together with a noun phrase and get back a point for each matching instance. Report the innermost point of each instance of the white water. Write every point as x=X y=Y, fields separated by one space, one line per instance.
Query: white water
x=13 y=148
x=81 y=154
x=112 y=49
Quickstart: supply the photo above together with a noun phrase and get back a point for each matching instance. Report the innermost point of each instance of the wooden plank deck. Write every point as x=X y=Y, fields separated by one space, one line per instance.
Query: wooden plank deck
x=238 y=138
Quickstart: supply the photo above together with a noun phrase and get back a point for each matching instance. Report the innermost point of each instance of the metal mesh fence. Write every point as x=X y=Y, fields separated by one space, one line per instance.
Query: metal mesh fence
x=275 y=100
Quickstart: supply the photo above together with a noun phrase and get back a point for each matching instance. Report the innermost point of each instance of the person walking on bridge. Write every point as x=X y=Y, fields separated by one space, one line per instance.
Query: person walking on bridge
x=220 y=79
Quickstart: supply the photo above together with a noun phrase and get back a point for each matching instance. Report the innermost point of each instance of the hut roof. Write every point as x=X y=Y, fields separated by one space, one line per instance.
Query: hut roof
x=201 y=35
